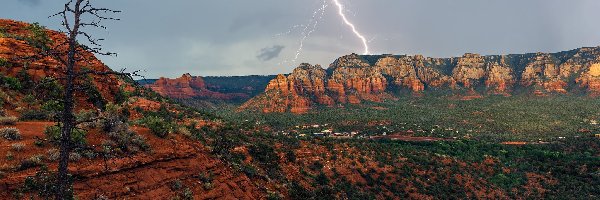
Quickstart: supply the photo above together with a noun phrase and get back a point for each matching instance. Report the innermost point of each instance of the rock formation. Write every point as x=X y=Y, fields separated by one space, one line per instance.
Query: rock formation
x=187 y=87
x=354 y=78
x=17 y=44
x=295 y=93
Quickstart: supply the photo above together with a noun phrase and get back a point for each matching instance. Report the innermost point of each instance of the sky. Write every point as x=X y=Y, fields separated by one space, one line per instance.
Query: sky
x=243 y=37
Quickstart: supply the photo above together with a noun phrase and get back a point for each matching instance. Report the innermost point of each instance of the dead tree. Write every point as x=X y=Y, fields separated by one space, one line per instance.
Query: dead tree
x=76 y=16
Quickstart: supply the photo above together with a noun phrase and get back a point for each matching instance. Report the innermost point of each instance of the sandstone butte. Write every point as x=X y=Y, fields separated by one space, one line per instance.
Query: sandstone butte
x=188 y=87
x=356 y=78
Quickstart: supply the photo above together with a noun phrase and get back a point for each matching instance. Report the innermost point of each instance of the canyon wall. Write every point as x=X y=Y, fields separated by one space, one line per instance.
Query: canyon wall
x=355 y=78
x=188 y=87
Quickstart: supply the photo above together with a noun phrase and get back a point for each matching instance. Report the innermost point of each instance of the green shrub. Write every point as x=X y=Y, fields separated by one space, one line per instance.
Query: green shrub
x=25 y=79
x=51 y=108
x=4 y=62
x=114 y=124
x=44 y=183
x=187 y=194
x=11 y=83
x=87 y=118
x=249 y=170
x=158 y=126
x=53 y=134
x=264 y=153
x=296 y=191
x=10 y=133
x=32 y=115
x=322 y=179
x=93 y=94
x=49 y=89
x=290 y=155
x=10 y=156
x=8 y=120
x=39 y=38
x=184 y=131
x=128 y=140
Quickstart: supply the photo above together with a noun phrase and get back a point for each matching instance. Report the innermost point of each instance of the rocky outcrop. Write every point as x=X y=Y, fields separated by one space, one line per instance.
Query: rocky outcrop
x=20 y=52
x=499 y=77
x=296 y=92
x=470 y=70
x=187 y=87
x=354 y=78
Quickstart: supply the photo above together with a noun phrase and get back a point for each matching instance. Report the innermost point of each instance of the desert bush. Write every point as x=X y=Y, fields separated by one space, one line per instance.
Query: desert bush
x=74 y=156
x=264 y=153
x=249 y=170
x=4 y=62
x=114 y=124
x=128 y=140
x=51 y=109
x=17 y=147
x=4 y=98
x=53 y=134
x=10 y=133
x=9 y=156
x=48 y=89
x=158 y=126
x=87 y=119
x=8 y=120
x=53 y=154
x=176 y=185
x=290 y=155
x=31 y=162
x=184 y=131
x=11 y=82
x=32 y=114
x=44 y=184
x=296 y=191
x=108 y=147
x=39 y=142
x=89 y=154
x=38 y=38
x=26 y=79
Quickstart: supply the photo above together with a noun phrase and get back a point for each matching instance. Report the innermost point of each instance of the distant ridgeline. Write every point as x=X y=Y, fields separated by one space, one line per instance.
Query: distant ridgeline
x=355 y=78
x=219 y=88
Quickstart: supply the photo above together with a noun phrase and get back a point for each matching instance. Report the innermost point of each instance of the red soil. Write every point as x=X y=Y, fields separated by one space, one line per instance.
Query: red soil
x=141 y=176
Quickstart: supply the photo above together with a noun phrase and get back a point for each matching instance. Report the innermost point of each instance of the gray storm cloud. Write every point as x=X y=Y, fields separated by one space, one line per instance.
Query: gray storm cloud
x=30 y=2
x=269 y=53
x=206 y=38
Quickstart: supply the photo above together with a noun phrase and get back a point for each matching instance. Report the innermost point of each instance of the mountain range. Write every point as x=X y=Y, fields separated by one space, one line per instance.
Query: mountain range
x=353 y=79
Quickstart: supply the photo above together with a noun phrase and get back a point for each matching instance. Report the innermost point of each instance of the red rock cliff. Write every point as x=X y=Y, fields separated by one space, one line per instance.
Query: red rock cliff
x=187 y=87
x=354 y=78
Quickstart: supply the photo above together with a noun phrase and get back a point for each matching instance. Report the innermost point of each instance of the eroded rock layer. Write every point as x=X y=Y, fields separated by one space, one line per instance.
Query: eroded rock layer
x=355 y=78
x=187 y=87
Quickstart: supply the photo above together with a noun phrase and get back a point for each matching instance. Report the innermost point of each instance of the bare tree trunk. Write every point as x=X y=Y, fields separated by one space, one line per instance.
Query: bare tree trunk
x=68 y=118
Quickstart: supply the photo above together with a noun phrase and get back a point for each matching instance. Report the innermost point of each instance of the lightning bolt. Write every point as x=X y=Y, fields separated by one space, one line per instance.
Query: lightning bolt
x=307 y=30
x=312 y=25
x=306 y=34
x=347 y=22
